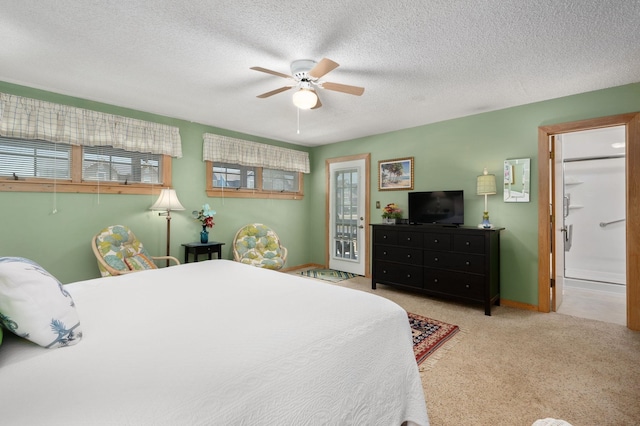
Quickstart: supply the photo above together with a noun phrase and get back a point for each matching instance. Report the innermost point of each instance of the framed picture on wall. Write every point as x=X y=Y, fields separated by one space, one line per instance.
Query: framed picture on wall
x=396 y=174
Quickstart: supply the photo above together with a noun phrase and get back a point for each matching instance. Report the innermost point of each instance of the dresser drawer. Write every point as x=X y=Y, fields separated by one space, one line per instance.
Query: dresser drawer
x=385 y=236
x=399 y=274
x=468 y=243
x=410 y=239
x=457 y=284
x=461 y=262
x=398 y=254
x=436 y=241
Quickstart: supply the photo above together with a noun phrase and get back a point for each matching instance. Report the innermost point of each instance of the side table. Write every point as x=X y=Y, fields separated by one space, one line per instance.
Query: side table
x=202 y=248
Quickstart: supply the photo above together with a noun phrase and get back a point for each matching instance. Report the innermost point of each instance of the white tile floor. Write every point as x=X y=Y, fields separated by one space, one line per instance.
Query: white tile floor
x=594 y=304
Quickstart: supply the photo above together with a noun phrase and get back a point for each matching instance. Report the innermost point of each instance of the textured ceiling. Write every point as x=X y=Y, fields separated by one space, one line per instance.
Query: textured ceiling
x=419 y=61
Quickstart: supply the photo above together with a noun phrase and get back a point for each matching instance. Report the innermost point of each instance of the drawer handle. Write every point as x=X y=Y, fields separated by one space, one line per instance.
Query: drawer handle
x=384 y=271
x=408 y=238
x=384 y=237
x=467 y=263
x=384 y=252
x=468 y=243
x=467 y=286
x=408 y=256
x=435 y=241
x=435 y=259
x=435 y=280
x=408 y=275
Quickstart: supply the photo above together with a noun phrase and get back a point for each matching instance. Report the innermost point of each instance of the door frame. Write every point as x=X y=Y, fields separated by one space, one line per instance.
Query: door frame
x=546 y=221
x=367 y=195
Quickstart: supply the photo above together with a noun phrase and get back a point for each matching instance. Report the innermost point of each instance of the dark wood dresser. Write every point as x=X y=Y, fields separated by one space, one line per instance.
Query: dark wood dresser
x=460 y=263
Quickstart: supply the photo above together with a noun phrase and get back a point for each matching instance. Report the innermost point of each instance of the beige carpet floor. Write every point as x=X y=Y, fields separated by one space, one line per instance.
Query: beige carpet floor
x=517 y=366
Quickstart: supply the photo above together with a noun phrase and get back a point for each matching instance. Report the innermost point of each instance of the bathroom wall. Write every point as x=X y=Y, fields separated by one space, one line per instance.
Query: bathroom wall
x=595 y=187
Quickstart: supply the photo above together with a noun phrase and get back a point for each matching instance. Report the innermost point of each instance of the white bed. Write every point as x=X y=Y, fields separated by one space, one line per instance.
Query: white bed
x=218 y=343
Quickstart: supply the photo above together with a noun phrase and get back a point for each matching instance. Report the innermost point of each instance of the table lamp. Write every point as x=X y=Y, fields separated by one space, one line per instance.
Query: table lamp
x=486 y=186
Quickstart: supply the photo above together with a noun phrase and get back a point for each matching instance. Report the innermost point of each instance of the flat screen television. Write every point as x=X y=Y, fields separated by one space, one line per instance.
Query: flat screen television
x=436 y=207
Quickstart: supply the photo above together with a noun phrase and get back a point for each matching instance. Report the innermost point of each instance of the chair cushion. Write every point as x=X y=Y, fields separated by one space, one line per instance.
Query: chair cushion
x=259 y=245
x=115 y=244
x=139 y=262
x=35 y=305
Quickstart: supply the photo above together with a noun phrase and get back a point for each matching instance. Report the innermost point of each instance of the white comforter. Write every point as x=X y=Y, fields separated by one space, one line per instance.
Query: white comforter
x=218 y=343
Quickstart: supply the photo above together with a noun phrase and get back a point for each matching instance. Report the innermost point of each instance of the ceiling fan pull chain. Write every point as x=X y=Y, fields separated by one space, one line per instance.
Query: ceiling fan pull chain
x=298 y=112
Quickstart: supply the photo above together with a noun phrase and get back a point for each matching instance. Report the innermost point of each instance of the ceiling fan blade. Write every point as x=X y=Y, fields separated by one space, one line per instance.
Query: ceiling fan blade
x=276 y=73
x=344 y=88
x=274 y=92
x=322 y=68
x=318 y=104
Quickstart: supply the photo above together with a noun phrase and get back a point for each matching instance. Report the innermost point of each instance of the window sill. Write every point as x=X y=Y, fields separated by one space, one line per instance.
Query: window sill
x=11 y=185
x=247 y=193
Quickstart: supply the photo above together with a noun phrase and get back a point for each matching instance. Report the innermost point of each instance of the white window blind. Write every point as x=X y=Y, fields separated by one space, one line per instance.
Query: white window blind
x=35 y=159
x=100 y=163
x=27 y=118
x=224 y=149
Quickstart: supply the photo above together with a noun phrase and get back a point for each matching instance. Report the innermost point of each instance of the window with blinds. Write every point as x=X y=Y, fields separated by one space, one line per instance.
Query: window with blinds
x=103 y=163
x=29 y=165
x=253 y=182
x=22 y=159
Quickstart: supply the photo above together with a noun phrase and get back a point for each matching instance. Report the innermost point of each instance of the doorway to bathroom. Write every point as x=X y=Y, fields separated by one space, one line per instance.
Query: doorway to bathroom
x=590 y=207
x=550 y=223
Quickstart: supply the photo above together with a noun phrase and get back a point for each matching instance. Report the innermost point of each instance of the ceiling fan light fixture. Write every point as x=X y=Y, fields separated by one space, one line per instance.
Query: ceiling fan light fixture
x=305 y=99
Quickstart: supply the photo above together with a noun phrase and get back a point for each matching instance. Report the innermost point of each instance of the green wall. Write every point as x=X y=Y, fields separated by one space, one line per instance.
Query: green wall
x=451 y=154
x=61 y=242
x=448 y=155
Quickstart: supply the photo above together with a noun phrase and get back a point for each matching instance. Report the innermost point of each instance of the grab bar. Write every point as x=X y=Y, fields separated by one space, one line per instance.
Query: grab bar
x=603 y=224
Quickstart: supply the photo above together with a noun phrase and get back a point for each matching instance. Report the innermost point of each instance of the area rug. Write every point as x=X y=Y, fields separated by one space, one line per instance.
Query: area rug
x=328 y=274
x=429 y=335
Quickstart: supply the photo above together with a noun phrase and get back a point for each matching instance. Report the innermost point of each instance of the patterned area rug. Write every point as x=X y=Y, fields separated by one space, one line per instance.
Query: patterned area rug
x=328 y=274
x=429 y=335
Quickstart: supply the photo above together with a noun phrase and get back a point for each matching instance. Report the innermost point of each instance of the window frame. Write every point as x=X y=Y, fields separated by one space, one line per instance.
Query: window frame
x=77 y=185
x=257 y=192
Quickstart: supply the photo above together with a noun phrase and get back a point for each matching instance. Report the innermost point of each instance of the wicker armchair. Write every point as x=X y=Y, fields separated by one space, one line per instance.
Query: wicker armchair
x=118 y=252
x=258 y=245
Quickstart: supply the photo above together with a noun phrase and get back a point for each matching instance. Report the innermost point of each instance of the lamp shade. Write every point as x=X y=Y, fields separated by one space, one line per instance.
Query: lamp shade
x=486 y=184
x=168 y=200
x=305 y=99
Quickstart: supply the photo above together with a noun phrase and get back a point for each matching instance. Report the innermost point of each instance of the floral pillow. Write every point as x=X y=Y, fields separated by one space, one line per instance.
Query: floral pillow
x=35 y=305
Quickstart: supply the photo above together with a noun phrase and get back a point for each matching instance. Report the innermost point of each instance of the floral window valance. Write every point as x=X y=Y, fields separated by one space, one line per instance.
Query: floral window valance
x=245 y=153
x=28 y=118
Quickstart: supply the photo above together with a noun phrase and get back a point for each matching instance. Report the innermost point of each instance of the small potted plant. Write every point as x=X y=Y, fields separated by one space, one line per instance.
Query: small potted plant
x=391 y=214
x=205 y=217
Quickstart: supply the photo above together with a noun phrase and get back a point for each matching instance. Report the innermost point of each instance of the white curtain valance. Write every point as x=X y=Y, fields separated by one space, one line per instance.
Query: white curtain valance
x=224 y=149
x=28 y=118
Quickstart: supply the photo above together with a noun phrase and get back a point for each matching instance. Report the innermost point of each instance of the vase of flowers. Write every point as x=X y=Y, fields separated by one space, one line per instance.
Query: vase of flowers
x=391 y=214
x=205 y=217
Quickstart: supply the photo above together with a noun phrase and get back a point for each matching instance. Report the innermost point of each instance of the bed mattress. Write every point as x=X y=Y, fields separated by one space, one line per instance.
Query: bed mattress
x=218 y=343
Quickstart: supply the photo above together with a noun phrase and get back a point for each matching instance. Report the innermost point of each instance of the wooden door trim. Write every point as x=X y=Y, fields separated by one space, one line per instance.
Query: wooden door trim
x=367 y=194
x=631 y=121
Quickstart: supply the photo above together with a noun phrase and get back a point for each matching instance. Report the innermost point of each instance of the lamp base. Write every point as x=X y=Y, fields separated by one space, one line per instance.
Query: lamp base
x=485 y=222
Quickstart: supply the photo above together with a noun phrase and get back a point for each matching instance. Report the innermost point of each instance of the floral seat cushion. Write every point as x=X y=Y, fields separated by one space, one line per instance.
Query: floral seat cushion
x=120 y=249
x=258 y=245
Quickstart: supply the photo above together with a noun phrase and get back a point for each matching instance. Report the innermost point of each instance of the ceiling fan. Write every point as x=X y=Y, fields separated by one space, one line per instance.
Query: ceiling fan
x=306 y=75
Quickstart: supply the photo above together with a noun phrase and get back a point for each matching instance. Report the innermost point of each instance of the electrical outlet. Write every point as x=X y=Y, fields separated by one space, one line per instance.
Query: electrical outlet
x=377 y=204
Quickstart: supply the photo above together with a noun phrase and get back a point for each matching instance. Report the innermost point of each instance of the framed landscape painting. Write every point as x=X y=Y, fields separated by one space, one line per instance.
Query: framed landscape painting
x=395 y=174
